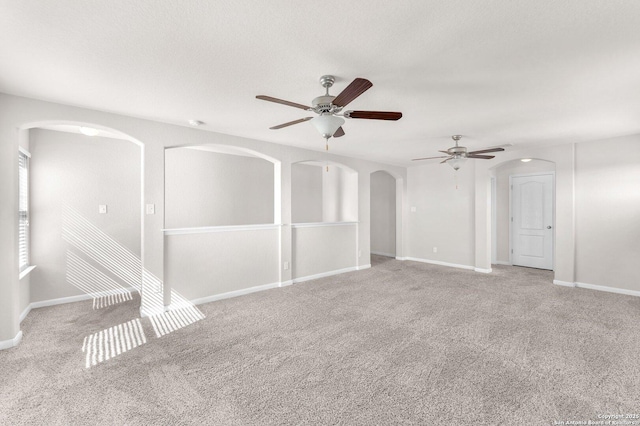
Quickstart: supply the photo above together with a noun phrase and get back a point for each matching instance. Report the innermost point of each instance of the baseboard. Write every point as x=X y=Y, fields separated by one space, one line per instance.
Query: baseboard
x=564 y=283
x=325 y=274
x=437 y=262
x=483 y=270
x=24 y=313
x=60 y=301
x=285 y=283
x=502 y=262
x=400 y=258
x=8 y=344
x=608 y=289
x=379 y=253
x=63 y=300
x=361 y=267
x=234 y=293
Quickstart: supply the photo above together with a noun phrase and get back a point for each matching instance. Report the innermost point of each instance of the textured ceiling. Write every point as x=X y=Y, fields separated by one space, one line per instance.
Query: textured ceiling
x=510 y=71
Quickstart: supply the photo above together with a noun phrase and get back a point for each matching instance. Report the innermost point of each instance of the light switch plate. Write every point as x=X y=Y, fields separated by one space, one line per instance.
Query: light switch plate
x=151 y=209
x=102 y=209
x=413 y=209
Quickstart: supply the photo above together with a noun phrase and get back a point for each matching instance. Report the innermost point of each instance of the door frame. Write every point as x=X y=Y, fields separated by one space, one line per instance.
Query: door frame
x=553 y=213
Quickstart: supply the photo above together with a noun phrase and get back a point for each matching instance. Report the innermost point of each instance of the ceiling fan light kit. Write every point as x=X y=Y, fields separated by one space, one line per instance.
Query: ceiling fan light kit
x=329 y=108
x=456 y=162
x=327 y=124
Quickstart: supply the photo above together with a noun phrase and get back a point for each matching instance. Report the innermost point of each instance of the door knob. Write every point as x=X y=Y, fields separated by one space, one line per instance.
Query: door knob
x=549 y=227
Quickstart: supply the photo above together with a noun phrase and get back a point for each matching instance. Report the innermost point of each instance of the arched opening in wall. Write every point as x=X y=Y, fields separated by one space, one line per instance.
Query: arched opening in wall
x=85 y=212
x=523 y=213
x=222 y=220
x=217 y=185
x=324 y=212
x=383 y=214
x=323 y=192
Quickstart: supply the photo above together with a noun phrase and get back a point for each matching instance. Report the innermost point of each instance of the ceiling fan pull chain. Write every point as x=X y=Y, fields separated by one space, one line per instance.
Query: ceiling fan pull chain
x=455 y=178
x=326 y=148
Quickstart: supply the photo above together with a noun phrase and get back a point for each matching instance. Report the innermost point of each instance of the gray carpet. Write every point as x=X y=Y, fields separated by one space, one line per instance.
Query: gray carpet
x=400 y=343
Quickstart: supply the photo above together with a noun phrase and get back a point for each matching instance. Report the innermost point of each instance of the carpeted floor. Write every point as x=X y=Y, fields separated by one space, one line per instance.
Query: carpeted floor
x=400 y=343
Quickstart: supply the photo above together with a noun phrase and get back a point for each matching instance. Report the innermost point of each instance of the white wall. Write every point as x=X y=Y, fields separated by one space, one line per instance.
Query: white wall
x=21 y=113
x=79 y=172
x=339 y=195
x=306 y=193
x=321 y=194
x=444 y=216
x=324 y=248
x=608 y=213
x=383 y=214
x=502 y=198
x=199 y=265
x=204 y=188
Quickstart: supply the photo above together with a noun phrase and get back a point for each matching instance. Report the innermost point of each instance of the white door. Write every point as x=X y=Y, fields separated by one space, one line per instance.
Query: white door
x=532 y=221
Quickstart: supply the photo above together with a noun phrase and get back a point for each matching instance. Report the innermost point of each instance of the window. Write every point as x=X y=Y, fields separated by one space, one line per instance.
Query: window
x=23 y=209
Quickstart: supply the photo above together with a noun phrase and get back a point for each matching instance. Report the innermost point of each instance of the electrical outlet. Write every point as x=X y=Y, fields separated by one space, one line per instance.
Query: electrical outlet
x=435 y=249
x=286 y=266
x=413 y=209
x=102 y=209
x=151 y=209
x=359 y=253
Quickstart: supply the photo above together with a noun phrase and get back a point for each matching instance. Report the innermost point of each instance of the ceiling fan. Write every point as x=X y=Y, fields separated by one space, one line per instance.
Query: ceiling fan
x=329 y=108
x=457 y=155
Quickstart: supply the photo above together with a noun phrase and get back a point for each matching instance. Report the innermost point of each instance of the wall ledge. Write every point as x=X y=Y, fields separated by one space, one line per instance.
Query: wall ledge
x=26 y=272
x=320 y=224
x=230 y=228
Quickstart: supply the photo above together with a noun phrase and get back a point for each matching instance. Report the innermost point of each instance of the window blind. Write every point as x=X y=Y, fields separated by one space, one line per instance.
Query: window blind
x=23 y=211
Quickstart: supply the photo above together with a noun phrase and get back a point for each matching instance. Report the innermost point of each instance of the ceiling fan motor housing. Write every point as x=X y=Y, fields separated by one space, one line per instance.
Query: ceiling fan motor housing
x=457 y=150
x=323 y=104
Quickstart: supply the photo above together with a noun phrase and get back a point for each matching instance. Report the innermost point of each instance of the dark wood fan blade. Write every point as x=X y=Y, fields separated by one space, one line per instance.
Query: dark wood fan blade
x=484 y=157
x=280 y=101
x=482 y=151
x=290 y=123
x=375 y=115
x=339 y=132
x=352 y=91
x=430 y=158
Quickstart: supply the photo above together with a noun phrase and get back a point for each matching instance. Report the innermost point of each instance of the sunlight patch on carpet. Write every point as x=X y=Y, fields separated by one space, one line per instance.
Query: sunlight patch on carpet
x=113 y=341
x=170 y=321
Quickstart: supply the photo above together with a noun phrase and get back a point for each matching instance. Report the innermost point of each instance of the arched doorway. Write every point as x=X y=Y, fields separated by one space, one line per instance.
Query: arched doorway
x=87 y=221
